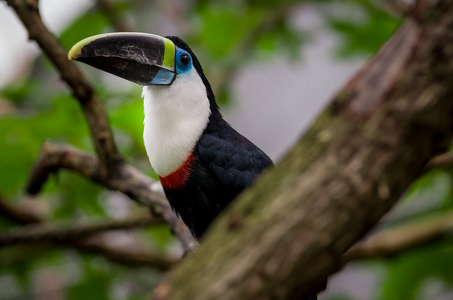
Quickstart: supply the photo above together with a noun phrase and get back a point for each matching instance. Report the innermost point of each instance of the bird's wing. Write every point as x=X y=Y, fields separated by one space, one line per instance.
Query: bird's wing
x=229 y=165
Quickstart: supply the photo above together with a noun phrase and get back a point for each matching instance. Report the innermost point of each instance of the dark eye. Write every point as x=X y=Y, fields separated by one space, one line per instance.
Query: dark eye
x=185 y=59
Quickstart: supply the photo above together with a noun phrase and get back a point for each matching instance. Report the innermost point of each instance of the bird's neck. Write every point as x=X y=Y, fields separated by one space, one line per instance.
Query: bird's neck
x=175 y=118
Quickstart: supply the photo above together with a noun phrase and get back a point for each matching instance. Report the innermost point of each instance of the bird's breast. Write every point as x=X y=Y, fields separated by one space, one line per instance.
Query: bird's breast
x=175 y=118
x=179 y=177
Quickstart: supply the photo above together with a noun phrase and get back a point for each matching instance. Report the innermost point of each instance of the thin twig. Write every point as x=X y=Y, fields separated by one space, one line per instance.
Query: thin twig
x=394 y=241
x=18 y=215
x=443 y=161
x=96 y=245
x=90 y=241
x=45 y=233
x=126 y=179
x=130 y=256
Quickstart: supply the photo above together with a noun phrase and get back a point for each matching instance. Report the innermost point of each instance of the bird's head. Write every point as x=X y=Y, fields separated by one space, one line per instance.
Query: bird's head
x=145 y=59
x=178 y=99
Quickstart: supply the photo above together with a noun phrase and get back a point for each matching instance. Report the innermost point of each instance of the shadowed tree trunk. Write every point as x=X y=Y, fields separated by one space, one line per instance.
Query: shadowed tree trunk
x=283 y=236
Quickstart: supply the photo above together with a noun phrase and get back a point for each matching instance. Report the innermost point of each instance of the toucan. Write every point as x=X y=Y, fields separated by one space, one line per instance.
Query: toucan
x=202 y=162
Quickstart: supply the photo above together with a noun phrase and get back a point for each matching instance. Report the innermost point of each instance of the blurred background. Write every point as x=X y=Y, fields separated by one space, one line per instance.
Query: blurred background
x=273 y=66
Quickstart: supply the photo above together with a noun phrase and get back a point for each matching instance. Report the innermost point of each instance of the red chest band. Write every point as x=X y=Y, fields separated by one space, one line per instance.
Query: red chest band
x=178 y=178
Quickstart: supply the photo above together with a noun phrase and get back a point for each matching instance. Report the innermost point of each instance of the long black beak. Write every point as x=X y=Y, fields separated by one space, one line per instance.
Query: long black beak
x=142 y=58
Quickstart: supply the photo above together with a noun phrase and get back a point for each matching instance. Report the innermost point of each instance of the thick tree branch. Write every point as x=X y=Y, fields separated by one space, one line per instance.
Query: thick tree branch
x=283 y=236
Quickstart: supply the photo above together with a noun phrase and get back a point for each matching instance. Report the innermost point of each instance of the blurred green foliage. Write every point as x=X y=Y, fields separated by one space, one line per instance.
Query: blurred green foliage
x=407 y=272
x=363 y=25
x=227 y=36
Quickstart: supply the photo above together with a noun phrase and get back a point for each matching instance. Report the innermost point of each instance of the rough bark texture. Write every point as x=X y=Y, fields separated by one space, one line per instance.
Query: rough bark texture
x=282 y=237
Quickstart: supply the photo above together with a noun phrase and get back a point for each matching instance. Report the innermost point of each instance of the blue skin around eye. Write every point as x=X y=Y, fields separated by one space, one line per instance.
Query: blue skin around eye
x=179 y=66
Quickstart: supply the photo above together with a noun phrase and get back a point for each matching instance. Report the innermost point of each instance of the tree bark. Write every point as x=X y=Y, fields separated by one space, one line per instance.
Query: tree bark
x=283 y=236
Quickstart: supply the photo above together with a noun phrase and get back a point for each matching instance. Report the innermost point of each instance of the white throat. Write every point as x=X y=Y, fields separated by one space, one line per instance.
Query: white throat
x=175 y=118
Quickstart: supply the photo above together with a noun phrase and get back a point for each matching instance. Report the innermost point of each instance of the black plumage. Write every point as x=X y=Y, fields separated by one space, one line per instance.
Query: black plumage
x=225 y=164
